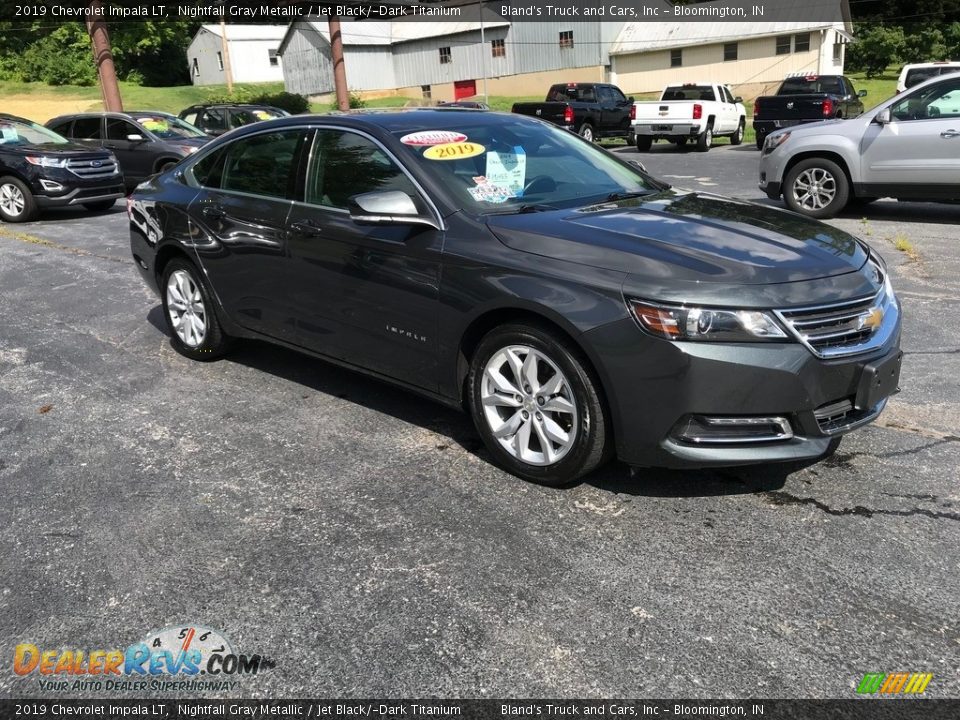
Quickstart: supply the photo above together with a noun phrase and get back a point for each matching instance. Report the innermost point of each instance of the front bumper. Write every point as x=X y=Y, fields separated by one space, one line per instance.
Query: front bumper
x=655 y=387
x=79 y=196
x=771 y=170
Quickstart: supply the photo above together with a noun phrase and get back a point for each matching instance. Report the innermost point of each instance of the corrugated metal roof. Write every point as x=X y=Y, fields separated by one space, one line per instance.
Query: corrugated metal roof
x=388 y=33
x=646 y=36
x=249 y=32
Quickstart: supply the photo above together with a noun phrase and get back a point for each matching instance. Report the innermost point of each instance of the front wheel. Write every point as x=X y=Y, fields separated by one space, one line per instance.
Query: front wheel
x=16 y=201
x=816 y=187
x=195 y=331
x=705 y=140
x=537 y=405
x=586 y=132
x=737 y=137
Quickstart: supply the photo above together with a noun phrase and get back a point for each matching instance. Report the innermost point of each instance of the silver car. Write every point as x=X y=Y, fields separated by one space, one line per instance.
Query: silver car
x=906 y=148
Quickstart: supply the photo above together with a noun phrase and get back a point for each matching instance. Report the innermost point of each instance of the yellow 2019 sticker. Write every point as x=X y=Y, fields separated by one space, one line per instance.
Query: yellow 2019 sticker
x=454 y=151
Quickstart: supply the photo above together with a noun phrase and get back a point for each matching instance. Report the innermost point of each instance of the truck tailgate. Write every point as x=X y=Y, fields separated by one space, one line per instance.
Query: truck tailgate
x=550 y=111
x=665 y=111
x=790 y=107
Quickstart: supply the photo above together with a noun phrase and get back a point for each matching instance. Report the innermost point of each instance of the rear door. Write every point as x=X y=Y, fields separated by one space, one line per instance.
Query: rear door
x=247 y=188
x=615 y=109
x=917 y=154
x=364 y=293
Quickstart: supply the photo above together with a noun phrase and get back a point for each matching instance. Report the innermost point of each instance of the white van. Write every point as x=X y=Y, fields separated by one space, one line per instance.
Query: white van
x=915 y=74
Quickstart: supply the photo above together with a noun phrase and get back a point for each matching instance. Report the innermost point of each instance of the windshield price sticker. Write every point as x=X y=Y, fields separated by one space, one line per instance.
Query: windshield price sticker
x=507 y=170
x=433 y=137
x=454 y=151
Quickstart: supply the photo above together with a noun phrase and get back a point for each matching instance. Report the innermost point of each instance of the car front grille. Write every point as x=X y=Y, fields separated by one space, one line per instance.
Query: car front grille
x=847 y=328
x=92 y=167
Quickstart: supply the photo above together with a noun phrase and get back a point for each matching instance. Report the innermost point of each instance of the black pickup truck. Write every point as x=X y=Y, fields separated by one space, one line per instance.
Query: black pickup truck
x=592 y=110
x=805 y=99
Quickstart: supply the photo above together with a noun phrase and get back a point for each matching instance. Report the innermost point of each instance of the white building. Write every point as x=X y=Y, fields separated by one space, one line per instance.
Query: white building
x=252 y=50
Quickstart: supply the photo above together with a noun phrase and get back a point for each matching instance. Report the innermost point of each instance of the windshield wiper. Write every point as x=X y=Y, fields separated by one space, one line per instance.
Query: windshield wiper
x=523 y=209
x=614 y=196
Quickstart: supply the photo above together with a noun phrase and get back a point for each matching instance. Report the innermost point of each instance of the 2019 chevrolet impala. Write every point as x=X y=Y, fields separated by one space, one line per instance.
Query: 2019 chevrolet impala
x=577 y=307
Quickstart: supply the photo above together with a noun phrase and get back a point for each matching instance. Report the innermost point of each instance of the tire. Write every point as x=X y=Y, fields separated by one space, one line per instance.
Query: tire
x=816 y=187
x=166 y=165
x=101 y=206
x=586 y=132
x=182 y=286
x=644 y=143
x=705 y=140
x=16 y=201
x=555 y=446
x=737 y=137
x=760 y=140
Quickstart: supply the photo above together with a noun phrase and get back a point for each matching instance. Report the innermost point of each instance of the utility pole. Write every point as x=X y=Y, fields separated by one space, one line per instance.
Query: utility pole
x=225 y=54
x=339 y=69
x=103 y=57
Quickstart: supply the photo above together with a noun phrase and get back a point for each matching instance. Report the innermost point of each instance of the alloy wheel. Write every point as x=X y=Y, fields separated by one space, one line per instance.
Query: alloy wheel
x=188 y=316
x=529 y=405
x=12 y=200
x=815 y=188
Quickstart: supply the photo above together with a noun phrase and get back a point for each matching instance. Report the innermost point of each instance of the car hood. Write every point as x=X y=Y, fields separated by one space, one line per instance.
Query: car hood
x=58 y=150
x=687 y=237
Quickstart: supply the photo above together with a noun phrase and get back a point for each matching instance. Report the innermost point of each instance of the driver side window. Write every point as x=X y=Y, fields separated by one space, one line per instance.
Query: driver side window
x=345 y=164
x=940 y=101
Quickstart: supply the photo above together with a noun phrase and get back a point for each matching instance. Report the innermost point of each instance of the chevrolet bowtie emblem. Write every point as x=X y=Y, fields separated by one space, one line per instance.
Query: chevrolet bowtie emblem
x=871 y=320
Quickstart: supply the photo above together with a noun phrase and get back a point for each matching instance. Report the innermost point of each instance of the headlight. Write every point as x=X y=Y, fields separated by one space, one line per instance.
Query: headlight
x=44 y=161
x=706 y=324
x=776 y=140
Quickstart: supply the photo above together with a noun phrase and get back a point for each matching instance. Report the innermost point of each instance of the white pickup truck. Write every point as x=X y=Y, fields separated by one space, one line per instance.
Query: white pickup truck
x=692 y=111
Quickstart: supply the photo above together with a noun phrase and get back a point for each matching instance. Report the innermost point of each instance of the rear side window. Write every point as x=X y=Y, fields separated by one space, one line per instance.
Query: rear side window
x=346 y=164
x=262 y=165
x=87 y=128
x=919 y=75
x=190 y=117
x=63 y=128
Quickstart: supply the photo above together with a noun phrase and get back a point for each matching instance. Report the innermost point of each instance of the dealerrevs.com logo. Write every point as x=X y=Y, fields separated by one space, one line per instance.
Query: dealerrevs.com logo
x=168 y=660
x=894 y=683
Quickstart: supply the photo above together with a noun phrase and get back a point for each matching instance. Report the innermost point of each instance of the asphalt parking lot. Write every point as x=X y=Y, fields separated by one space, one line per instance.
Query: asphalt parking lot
x=358 y=536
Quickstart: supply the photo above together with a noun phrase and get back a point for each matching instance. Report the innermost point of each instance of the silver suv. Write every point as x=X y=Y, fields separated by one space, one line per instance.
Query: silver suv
x=907 y=148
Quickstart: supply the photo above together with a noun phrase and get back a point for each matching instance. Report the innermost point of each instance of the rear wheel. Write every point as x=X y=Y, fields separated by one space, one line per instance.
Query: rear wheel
x=760 y=141
x=16 y=201
x=101 y=206
x=188 y=308
x=586 y=132
x=816 y=187
x=705 y=139
x=537 y=406
x=644 y=143
x=737 y=137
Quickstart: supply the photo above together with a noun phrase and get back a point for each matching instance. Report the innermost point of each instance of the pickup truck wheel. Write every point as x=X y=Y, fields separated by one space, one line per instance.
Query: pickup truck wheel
x=644 y=143
x=816 y=187
x=760 y=141
x=705 y=139
x=586 y=132
x=737 y=137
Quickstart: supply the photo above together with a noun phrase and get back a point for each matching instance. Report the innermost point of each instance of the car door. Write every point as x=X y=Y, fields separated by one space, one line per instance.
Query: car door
x=366 y=294
x=615 y=109
x=135 y=156
x=240 y=215
x=728 y=110
x=917 y=153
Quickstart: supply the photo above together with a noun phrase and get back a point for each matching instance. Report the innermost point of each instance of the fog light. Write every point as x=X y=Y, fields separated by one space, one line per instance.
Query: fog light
x=51 y=186
x=701 y=429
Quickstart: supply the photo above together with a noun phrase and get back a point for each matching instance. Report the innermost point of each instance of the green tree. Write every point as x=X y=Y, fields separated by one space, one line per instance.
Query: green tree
x=877 y=47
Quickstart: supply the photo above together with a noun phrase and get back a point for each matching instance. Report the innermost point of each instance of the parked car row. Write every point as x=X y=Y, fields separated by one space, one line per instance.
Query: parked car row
x=92 y=159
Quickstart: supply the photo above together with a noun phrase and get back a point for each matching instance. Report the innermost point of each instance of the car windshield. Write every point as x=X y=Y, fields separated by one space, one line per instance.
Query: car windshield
x=515 y=164
x=15 y=132
x=168 y=127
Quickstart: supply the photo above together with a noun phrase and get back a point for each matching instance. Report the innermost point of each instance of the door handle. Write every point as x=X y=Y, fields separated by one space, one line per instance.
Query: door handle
x=306 y=227
x=949 y=134
x=214 y=212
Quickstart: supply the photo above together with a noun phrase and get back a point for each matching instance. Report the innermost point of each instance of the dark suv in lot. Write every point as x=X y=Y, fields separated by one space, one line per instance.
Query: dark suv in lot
x=218 y=119
x=40 y=169
x=144 y=143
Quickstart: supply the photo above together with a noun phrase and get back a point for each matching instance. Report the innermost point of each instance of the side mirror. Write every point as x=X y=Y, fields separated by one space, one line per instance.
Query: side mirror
x=882 y=117
x=387 y=207
x=630 y=99
x=134 y=137
x=862 y=93
x=738 y=99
